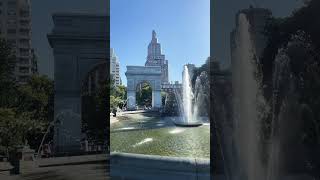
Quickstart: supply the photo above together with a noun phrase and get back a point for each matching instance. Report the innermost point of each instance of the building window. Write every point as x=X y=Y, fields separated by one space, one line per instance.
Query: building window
x=24 y=22
x=24 y=13
x=23 y=78
x=12 y=22
x=12 y=12
x=11 y=31
x=24 y=52
x=24 y=61
x=24 y=32
x=24 y=41
x=12 y=42
x=24 y=70
x=12 y=3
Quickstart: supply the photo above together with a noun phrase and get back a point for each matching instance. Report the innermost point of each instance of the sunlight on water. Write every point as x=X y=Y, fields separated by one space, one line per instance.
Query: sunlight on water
x=125 y=128
x=143 y=142
x=176 y=131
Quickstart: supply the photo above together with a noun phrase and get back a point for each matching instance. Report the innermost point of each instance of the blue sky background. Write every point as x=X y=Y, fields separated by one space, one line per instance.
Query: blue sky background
x=182 y=26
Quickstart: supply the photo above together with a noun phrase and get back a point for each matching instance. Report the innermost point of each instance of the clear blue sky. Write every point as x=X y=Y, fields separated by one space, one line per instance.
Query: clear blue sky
x=182 y=26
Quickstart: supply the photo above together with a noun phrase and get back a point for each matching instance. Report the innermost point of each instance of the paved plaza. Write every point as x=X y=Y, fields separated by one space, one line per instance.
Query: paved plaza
x=79 y=168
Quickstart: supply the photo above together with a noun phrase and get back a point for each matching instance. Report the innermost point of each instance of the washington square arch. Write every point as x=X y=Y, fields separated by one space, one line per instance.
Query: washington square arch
x=141 y=74
x=80 y=44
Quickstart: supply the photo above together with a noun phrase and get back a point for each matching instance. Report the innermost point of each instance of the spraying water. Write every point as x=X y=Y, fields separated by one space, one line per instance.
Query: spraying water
x=187 y=96
x=188 y=101
x=246 y=94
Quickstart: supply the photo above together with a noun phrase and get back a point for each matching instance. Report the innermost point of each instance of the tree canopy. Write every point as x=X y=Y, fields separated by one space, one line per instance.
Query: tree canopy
x=25 y=109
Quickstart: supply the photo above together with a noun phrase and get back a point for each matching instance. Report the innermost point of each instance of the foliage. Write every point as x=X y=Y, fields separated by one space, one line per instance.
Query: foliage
x=171 y=105
x=298 y=37
x=15 y=127
x=95 y=113
x=279 y=32
x=198 y=70
x=163 y=97
x=144 y=95
x=36 y=97
x=114 y=102
x=118 y=95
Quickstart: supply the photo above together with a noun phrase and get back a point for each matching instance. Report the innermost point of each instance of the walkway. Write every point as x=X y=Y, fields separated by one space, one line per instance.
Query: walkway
x=79 y=168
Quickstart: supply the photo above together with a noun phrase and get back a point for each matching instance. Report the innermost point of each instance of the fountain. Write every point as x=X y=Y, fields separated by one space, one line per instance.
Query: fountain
x=188 y=103
x=247 y=97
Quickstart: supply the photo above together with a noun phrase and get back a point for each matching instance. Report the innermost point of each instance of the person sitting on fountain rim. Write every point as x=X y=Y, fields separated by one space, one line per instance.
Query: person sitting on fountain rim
x=114 y=111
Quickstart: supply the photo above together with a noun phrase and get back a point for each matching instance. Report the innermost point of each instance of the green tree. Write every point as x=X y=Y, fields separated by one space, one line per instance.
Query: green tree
x=97 y=112
x=144 y=95
x=118 y=94
x=14 y=129
x=114 y=102
x=171 y=105
x=36 y=97
x=163 y=97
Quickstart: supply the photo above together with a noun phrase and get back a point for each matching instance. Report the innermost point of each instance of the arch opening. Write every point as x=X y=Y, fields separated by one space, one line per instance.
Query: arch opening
x=94 y=109
x=144 y=95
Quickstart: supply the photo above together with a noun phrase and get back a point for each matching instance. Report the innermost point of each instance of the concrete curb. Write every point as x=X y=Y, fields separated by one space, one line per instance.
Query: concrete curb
x=137 y=166
x=72 y=160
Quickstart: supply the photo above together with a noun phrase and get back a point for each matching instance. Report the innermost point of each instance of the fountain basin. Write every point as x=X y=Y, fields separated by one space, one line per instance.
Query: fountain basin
x=181 y=123
x=166 y=140
x=190 y=124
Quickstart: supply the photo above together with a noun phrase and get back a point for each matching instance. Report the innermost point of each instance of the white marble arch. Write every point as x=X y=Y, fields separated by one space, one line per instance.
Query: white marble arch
x=139 y=74
x=80 y=42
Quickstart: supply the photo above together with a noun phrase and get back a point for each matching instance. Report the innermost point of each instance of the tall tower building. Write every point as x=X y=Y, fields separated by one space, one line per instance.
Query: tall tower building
x=156 y=58
x=115 y=67
x=15 y=28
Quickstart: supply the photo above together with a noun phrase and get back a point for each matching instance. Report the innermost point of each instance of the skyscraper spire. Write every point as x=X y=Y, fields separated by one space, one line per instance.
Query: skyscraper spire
x=154 y=36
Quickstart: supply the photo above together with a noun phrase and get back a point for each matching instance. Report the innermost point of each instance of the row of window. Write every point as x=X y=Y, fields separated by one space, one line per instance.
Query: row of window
x=12 y=12
x=24 y=69
x=21 y=31
x=24 y=51
x=24 y=22
x=23 y=78
x=10 y=3
x=21 y=41
x=24 y=61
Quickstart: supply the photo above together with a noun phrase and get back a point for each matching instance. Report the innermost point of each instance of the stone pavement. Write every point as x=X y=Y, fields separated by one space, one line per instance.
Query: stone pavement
x=91 y=170
x=70 y=172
